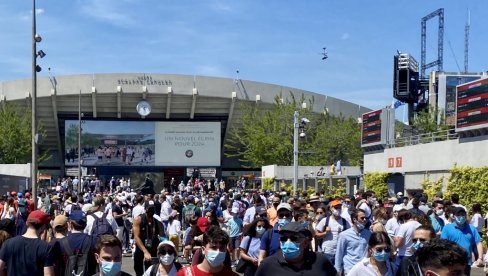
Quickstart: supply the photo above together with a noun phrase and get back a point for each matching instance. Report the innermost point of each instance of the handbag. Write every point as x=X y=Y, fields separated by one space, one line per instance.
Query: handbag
x=241 y=264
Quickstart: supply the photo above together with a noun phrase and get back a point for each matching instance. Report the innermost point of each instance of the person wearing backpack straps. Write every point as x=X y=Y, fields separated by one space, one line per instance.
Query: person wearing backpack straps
x=77 y=247
x=167 y=256
x=97 y=221
x=329 y=229
x=190 y=210
x=147 y=232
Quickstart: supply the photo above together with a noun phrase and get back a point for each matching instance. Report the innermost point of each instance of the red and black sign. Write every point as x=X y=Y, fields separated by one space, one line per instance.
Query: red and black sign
x=371 y=127
x=472 y=105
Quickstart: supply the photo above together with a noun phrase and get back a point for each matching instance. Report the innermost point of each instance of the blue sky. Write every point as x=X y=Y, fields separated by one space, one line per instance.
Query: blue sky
x=274 y=41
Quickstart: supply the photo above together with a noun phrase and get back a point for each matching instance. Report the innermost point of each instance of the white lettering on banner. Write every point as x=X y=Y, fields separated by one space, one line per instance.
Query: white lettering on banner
x=188 y=143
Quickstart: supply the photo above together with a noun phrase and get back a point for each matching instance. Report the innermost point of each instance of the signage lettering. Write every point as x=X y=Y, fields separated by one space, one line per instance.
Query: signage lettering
x=144 y=80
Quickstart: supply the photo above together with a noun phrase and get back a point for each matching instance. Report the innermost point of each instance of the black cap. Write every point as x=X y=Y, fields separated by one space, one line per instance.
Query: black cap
x=296 y=227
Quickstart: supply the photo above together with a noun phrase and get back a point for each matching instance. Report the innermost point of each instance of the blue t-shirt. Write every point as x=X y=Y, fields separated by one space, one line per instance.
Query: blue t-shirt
x=235 y=227
x=467 y=237
x=253 y=250
x=271 y=246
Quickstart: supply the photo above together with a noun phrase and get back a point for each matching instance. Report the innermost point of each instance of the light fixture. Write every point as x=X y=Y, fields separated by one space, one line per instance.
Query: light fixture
x=37 y=38
x=41 y=54
x=302 y=134
x=38 y=68
x=305 y=121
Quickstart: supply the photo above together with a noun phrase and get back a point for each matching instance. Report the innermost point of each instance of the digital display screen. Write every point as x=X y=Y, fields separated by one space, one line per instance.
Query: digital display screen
x=371 y=127
x=472 y=105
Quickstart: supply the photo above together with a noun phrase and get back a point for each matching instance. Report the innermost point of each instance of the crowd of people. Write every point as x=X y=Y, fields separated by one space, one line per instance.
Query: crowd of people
x=225 y=232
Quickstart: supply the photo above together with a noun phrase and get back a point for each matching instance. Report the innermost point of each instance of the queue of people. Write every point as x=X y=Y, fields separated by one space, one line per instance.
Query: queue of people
x=255 y=232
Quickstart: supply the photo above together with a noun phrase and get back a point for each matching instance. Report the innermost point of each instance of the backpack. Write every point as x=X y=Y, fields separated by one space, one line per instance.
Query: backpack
x=343 y=222
x=77 y=260
x=22 y=208
x=101 y=226
x=189 y=213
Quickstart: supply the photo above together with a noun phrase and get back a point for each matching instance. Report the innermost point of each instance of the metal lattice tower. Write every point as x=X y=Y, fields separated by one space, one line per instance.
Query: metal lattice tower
x=466 y=43
x=440 y=42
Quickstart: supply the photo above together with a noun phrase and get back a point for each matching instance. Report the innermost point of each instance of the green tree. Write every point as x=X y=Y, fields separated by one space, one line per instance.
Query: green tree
x=426 y=120
x=265 y=136
x=15 y=135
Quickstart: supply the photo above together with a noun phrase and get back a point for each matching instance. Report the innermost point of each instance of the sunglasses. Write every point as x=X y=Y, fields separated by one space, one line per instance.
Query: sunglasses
x=381 y=250
x=164 y=252
x=320 y=213
x=291 y=238
x=416 y=240
x=284 y=215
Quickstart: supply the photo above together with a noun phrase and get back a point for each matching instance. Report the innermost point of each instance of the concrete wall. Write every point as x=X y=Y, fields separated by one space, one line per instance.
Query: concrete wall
x=434 y=159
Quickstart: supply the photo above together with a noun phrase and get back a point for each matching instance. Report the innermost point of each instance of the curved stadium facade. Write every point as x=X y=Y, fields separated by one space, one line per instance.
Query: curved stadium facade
x=188 y=125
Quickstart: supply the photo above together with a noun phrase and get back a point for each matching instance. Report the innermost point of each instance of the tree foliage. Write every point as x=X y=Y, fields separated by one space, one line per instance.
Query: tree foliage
x=431 y=187
x=266 y=136
x=15 y=135
x=470 y=184
x=426 y=121
x=377 y=182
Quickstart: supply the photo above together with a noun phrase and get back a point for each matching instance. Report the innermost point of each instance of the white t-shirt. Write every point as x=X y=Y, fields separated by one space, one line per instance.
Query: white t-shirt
x=406 y=232
x=329 y=244
x=165 y=210
x=392 y=226
x=364 y=268
x=367 y=210
x=136 y=211
x=477 y=222
x=174 y=227
x=172 y=272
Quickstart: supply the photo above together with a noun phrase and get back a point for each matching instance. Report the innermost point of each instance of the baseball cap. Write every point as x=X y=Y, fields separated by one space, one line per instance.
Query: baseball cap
x=38 y=217
x=77 y=216
x=296 y=227
x=20 y=195
x=399 y=194
x=284 y=206
x=202 y=223
x=149 y=204
x=335 y=202
x=397 y=208
x=314 y=198
x=61 y=221
x=166 y=242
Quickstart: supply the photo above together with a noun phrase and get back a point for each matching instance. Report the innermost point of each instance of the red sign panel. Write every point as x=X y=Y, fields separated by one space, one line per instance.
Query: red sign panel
x=472 y=105
x=371 y=127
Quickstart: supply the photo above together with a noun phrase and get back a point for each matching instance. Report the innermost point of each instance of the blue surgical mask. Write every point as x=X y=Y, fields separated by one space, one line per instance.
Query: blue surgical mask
x=282 y=222
x=360 y=226
x=460 y=220
x=215 y=258
x=260 y=230
x=111 y=268
x=417 y=245
x=380 y=256
x=290 y=249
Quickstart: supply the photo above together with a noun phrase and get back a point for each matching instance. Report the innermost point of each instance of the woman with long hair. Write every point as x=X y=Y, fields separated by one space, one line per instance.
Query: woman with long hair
x=378 y=262
x=250 y=244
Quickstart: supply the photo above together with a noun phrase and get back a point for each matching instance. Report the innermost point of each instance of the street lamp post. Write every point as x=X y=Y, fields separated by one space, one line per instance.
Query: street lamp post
x=296 y=126
x=33 y=107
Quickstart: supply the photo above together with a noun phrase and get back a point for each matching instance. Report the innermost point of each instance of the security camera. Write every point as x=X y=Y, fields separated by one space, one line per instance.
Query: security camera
x=305 y=121
x=37 y=38
x=302 y=134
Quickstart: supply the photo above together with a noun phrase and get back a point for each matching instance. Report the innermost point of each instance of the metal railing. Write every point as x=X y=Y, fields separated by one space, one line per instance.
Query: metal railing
x=425 y=138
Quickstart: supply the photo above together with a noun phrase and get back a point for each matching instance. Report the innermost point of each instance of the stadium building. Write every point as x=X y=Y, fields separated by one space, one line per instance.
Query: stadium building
x=159 y=123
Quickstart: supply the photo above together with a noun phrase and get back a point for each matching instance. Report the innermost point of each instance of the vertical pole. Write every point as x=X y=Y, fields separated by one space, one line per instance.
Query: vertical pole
x=33 y=109
x=295 y=152
x=79 y=142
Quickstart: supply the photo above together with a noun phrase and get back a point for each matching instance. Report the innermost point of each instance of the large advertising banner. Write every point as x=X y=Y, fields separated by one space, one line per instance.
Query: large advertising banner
x=110 y=143
x=188 y=143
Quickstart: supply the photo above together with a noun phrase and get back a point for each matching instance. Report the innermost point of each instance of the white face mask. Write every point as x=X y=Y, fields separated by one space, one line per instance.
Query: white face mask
x=167 y=259
x=335 y=212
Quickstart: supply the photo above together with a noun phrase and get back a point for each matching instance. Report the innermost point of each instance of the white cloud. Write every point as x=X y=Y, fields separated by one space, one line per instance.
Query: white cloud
x=39 y=11
x=106 y=10
x=345 y=36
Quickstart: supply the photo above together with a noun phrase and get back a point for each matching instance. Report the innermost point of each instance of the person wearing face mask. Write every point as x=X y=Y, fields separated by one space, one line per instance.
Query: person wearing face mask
x=435 y=217
x=167 y=255
x=380 y=219
x=352 y=245
x=108 y=253
x=442 y=258
x=410 y=267
x=250 y=244
x=270 y=241
x=465 y=235
x=377 y=263
x=403 y=237
x=273 y=211
x=214 y=250
x=393 y=224
x=329 y=228
x=147 y=231
x=296 y=256
x=38 y=259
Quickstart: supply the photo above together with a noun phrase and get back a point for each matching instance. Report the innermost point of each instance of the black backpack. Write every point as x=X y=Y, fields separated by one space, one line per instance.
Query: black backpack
x=22 y=208
x=100 y=226
x=77 y=260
